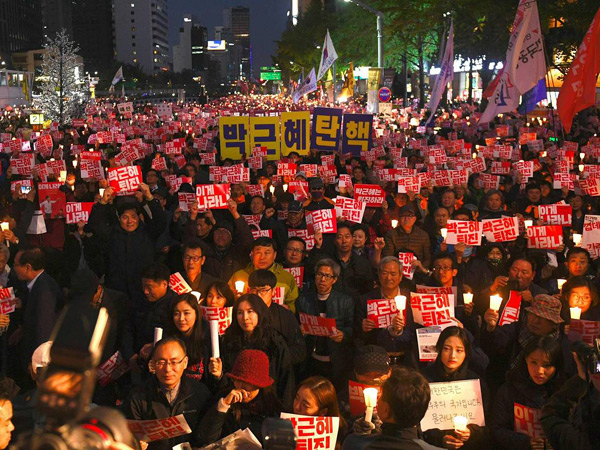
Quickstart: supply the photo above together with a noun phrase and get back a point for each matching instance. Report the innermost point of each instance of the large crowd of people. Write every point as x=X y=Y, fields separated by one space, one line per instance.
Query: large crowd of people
x=258 y=259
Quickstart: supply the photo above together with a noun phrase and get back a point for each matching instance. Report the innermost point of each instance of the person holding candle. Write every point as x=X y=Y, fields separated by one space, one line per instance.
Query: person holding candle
x=538 y=373
x=504 y=344
x=219 y=295
x=580 y=209
x=246 y=404
x=408 y=236
x=481 y=271
x=578 y=263
x=580 y=292
x=263 y=255
x=187 y=326
x=251 y=329
x=454 y=353
x=404 y=400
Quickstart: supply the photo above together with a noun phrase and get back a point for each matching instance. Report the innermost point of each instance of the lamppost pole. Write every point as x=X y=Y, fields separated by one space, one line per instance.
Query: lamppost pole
x=379 y=14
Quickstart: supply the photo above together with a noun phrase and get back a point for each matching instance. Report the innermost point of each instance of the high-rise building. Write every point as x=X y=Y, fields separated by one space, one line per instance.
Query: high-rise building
x=93 y=32
x=56 y=16
x=237 y=19
x=190 y=53
x=141 y=34
x=20 y=27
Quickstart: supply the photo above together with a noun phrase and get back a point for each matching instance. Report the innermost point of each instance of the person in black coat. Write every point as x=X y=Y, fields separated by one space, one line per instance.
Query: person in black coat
x=42 y=303
x=538 y=374
x=250 y=329
x=481 y=271
x=248 y=404
x=169 y=394
x=452 y=364
x=129 y=241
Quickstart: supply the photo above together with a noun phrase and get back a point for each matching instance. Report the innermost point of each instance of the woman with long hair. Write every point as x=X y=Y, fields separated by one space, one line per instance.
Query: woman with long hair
x=219 y=295
x=252 y=399
x=250 y=329
x=537 y=375
x=454 y=352
x=187 y=326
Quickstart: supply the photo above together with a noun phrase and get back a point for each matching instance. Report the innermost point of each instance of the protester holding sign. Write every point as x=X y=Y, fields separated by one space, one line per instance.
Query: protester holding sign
x=537 y=375
x=169 y=393
x=408 y=236
x=454 y=353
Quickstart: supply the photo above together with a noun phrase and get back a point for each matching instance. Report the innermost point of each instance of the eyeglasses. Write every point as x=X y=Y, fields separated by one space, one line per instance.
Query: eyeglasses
x=325 y=276
x=163 y=363
x=575 y=298
x=262 y=290
x=192 y=258
x=294 y=250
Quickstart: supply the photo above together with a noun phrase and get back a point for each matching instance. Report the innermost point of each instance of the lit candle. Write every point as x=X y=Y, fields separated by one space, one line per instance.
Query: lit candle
x=582 y=156
x=272 y=189
x=460 y=423
x=239 y=286
x=370 y=402
x=400 y=302
x=285 y=188
x=101 y=192
x=560 y=283
x=63 y=176
x=575 y=312
x=468 y=298
x=543 y=154
x=581 y=167
x=4 y=226
x=528 y=223
x=75 y=164
x=577 y=238
x=444 y=233
x=394 y=223
x=495 y=302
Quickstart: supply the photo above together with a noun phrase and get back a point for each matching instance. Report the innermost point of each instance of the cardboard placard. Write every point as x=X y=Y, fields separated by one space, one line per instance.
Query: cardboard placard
x=78 y=211
x=432 y=309
x=221 y=315
x=314 y=432
x=178 y=284
x=451 y=399
x=159 y=429
x=317 y=326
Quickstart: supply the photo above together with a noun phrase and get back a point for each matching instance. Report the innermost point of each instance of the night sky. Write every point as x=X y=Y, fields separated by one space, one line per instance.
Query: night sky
x=267 y=22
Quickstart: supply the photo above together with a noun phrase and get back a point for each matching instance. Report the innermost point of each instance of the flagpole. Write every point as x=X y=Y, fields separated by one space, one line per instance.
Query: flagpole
x=334 y=82
x=551 y=83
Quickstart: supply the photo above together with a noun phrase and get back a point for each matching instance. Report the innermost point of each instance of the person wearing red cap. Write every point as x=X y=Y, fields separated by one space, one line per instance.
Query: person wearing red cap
x=248 y=404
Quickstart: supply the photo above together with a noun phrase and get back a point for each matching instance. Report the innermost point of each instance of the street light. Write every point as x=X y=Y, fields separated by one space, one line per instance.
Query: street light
x=379 y=15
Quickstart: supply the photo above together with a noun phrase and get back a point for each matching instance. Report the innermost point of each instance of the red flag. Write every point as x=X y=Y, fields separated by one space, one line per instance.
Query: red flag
x=489 y=91
x=579 y=87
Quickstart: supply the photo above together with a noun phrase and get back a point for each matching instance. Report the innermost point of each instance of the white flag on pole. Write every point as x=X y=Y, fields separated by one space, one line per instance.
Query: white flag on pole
x=446 y=74
x=118 y=76
x=308 y=85
x=523 y=66
x=328 y=56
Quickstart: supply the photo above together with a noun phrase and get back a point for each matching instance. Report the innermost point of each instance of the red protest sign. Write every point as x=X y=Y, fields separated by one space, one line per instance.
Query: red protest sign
x=178 y=284
x=317 y=326
x=213 y=196
x=286 y=169
x=159 y=163
x=545 y=236
x=527 y=421
x=511 y=310
x=112 y=369
x=556 y=214
x=350 y=209
x=159 y=429
x=372 y=194
x=78 y=211
x=407 y=268
x=584 y=330
x=125 y=180
x=382 y=312
x=409 y=184
x=504 y=229
x=501 y=167
x=321 y=219
x=221 y=315
x=23 y=164
x=432 y=309
x=298 y=273
x=52 y=200
x=466 y=231
x=308 y=238
x=185 y=200
x=314 y=432
x=357 y=397
x=255 y=189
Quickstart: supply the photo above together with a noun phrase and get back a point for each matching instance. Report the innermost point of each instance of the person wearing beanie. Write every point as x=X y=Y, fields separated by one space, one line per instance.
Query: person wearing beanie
x=251 y=400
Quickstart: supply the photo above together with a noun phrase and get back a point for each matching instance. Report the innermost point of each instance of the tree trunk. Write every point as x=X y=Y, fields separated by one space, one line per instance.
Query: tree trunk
x=421 y=74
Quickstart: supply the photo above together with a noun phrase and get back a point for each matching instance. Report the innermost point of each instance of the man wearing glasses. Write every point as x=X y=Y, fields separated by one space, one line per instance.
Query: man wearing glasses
x=262 y=283
x=193 y=259
x=169 y=393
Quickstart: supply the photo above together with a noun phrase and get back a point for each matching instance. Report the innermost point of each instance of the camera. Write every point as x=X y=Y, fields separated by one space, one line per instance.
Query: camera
x=588 y=355
x=67 y=385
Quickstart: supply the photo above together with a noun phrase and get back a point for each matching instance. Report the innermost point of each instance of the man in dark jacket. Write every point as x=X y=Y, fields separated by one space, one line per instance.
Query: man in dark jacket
x=169 y=394
x=193 y=259
x=42 y=304
x=404 y=400
x=408 y=236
